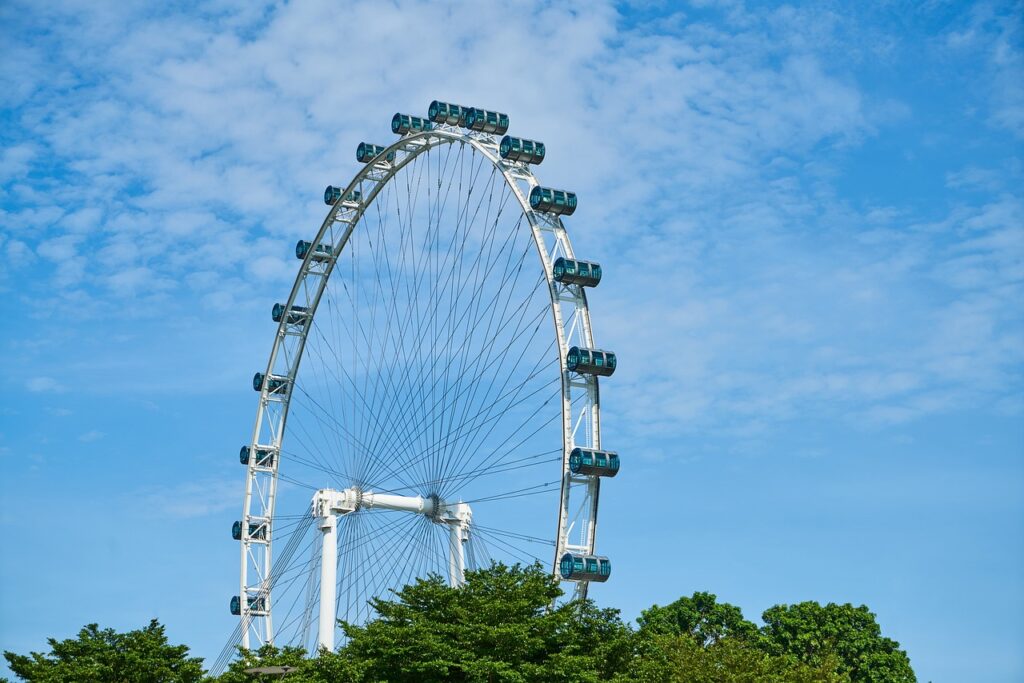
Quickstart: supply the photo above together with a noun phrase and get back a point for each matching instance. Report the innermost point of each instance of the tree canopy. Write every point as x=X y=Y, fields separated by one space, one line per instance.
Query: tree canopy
x=809 y=632
x=699 y=616
x=505 y=625
x=102 y=656
x=498 y=627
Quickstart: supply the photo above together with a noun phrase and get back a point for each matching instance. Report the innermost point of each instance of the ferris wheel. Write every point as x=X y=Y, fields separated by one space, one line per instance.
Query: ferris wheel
x=431 y=399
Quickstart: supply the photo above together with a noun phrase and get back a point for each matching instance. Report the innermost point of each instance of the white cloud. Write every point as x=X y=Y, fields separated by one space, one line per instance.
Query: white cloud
x=90 y=436
x=701 y=153
x=193 y=499
x=39 y=385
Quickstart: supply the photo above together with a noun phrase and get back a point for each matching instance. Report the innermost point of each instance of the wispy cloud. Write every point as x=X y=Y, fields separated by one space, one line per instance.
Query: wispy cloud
x=193 y=499
x=43 y=384
x=705 y=153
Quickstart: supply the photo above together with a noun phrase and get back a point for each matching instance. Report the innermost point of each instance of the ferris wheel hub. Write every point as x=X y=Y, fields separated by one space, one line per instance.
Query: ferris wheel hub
x=331 y=502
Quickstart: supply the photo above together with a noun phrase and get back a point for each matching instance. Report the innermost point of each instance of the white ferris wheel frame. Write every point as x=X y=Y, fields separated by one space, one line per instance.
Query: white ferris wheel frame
x=580 y=393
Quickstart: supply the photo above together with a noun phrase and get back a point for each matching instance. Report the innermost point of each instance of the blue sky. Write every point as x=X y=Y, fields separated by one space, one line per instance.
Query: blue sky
x=812 y=228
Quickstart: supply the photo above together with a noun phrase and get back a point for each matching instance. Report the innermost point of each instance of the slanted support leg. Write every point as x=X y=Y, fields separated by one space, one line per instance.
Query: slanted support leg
x=328 y=581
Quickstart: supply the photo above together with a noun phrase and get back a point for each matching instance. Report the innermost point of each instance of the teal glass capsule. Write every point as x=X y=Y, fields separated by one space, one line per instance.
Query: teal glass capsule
x=367 y=152
x=295 y=316
x=447 y=113
x=264 y=456
x=550 y=200
x=590 y=361
x=485 y=121
x=403 y=124
x=275 y=385
x=332 y=194
x=593 y=462
x=323 y=251
x=576 y=567
x=518 y=149
x=574 y=272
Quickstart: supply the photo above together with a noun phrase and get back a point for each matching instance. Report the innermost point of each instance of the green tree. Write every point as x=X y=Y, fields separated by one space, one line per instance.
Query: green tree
x=679 y=658
x=701 y=617
x=326 y=667
x=105 y=656
x=811 y=633
x=498 y=627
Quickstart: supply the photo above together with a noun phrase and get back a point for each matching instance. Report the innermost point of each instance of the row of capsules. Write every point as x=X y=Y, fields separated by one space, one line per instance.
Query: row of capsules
x=583 y=462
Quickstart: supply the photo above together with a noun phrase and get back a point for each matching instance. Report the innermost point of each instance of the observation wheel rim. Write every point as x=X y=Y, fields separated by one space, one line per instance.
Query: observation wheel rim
x=381 y=172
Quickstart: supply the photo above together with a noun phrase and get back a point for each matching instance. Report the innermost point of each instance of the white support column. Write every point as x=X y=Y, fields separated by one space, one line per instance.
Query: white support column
x=328 y=579
x=458 y=518
x=456 y=557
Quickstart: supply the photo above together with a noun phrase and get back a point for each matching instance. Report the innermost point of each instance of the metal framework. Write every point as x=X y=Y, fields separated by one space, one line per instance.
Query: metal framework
x=580 y=401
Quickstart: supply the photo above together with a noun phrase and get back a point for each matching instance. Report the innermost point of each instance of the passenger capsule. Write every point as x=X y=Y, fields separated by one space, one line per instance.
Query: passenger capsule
x=264 y=456
x=402 y=124
x=295 y=316
x=590 y=361
x=486 y=121
x=559 y=202
x=255 y=604
x=323 y=251
x=367 y=152
x=257 y=531
x=332 y=194
x=445 y=112
x=575 y=567
x=517 y=149
x=275 y=385
x=572 y=272
x=596 y=463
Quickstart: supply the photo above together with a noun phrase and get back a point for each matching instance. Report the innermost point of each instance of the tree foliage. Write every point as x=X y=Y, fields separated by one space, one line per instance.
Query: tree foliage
x=701 y=617
x=679 y=658
x=505 y=626
x=497 y=627
x=811 y=633
x=101 y=656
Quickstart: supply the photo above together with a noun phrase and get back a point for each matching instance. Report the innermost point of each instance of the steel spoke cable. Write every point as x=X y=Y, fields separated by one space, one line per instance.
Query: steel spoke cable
x=416 y=399
x=397 y=355
x=488 y=469
x=512 y=534
x=474 y=268
x=484 y=413
x=511 y=391
x=513 y=550
x=369 y=453
x=464 y=478
x=332 y=419
x=478 y=360
x=484 y=354
x=321 y=369
x=378 y=264
x=518 y=493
